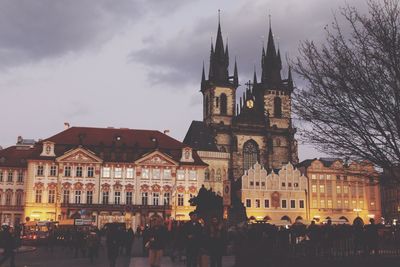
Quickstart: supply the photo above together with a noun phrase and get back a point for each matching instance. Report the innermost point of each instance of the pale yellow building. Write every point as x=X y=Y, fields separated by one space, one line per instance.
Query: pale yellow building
x=341 y=192
x=279 y=198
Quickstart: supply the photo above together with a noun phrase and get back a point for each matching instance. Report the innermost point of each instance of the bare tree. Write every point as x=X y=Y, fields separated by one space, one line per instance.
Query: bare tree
x=351 y=102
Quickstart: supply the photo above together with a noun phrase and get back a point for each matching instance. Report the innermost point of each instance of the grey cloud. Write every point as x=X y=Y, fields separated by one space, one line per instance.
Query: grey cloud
x=179 y=59
x=40 y=29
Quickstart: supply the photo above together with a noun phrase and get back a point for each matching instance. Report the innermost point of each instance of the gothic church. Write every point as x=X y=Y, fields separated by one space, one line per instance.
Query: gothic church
x=258 y=128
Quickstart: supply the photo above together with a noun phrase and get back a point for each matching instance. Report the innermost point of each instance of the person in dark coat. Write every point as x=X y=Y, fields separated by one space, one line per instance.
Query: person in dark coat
x=371 y=237
x=112 y=245
x=216 y=242
x=193 y=238
x=129 y=241
x=157 y=237
x=8 y=244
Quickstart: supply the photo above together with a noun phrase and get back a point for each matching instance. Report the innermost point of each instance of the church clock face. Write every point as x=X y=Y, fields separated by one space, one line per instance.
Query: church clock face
x=250 y=103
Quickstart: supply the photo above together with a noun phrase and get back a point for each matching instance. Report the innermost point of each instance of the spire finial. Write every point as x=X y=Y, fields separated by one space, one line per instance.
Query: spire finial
x=219 y=16
x=269 y=19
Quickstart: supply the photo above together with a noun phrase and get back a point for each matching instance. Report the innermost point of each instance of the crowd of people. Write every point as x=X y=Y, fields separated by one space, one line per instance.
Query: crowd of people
x=199 y=243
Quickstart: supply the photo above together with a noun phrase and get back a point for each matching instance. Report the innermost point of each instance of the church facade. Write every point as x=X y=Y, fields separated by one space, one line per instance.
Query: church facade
x=258 y=127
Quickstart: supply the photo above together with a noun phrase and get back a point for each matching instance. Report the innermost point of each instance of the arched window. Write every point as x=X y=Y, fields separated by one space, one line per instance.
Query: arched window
x=224 y=105
x=206 y=106
x=277 y=107
x=207 y=174
x=218 y=176
x=212 y=174
x=250 y=154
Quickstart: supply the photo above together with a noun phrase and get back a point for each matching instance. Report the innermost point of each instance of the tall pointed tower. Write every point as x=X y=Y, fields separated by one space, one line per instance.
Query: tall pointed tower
x=219 y=90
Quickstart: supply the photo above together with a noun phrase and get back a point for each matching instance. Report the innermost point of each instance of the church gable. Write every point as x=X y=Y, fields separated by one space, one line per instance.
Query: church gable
x=80 y=155
x=156 y=158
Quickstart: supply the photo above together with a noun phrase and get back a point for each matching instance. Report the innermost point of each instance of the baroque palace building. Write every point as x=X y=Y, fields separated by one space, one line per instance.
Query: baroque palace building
x=107 y=174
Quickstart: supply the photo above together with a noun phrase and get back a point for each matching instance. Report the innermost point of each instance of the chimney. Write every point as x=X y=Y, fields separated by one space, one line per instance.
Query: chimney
x=66 y=125
x=19 y=140
x=166 y=131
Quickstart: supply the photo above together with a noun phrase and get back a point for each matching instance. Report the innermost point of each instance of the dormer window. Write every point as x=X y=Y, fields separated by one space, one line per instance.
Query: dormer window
x=187 y=155
x=48 y=149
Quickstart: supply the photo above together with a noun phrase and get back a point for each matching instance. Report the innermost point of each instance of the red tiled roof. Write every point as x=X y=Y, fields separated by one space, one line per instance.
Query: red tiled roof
x=15 y=156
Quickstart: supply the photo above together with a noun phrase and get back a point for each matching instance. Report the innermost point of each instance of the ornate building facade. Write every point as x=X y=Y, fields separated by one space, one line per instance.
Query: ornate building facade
x=278 y=198
x=259 y=127
x=342 y=192
x=106 y=174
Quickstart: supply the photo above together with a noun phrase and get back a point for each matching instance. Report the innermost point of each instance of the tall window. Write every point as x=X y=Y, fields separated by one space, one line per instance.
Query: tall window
x=258 y=205
x=156 y=174
x=207 y=174
x=66 y=196
x=117 y=197
x=8 y=198
x=18 y=201
x=79 y=171
x=89 y=197
x=248 y=203
x=224 y=104
x=167 y=174
x=167 y=198
x=129 y=173
x=301 y=204
x=38 y=196
x=105 y=197
x=128 y=198
x=144 y=198
x=20 y=178
x=40 y=170
x=145 y=173
x=218 y=175
x=1 y=175
x=180 y=199
x=106 y=172
x=180 y=175
x=156 y=198
x=67 y=171
x=266 y=203
x=292 y=204
x=52 y=195
x=78 y=196
x=10 y=176
x=53 y=170
x=284 y=204
x=277 y=107
x=118 y=172
x=90 y=172
x=250 y=154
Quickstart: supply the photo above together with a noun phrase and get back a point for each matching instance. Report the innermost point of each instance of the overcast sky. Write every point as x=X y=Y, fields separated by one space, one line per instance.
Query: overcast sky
x=133 y=63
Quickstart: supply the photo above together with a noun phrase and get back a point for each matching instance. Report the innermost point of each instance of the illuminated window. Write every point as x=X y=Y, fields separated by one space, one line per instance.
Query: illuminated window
x=258 y=205
x=180 y=175
x=346 y=189
x=338 y=189
x=193 y=175
x=329 y=203
x=52 y=195
x=314 y=203
x=292 y=204
x=301 y=204
x=346 y=204
x=145 y=173
x=106 y=172
x=339 y=204
x=321 y=177
x=322 y=203
x=167 y=174
x=313 y=176
x=156 y=174
x=328 y=177
x=314 y=188
x=322 y=189
x=79 y=171
x=130 y=173
x=266 y=203
x=207 y=174
x=284 y=204
x=118 y=172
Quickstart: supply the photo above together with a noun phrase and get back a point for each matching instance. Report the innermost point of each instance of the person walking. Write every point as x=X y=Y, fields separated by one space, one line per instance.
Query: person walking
x=216 y=242
x=193 y=237
x=157 y=239
x=8 y=244
x=112 y=245
x=129 y=241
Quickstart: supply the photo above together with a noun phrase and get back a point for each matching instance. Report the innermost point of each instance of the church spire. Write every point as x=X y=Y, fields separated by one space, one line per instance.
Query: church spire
x=203 y=78
x=255 y=76
x=235 y=75
x=290 y=79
